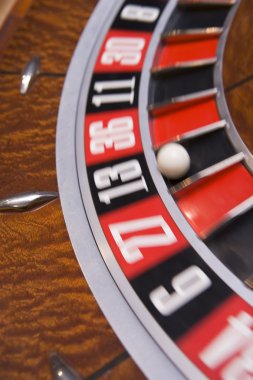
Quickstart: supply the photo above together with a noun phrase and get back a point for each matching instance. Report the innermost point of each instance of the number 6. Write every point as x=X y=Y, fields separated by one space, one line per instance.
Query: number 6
x=187 y=284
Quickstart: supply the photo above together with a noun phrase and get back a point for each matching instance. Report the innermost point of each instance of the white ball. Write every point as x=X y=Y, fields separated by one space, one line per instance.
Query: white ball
x=173 y=161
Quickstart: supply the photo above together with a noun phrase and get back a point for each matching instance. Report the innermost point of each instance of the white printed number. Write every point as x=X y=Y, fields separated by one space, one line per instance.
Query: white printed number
x=241 y=368
x=118 y=135
x=125 y=51
x=114 y=85
x=234 y=341
x=139 y=13
x=187 y=285
x=130 y=247
x=125 y=172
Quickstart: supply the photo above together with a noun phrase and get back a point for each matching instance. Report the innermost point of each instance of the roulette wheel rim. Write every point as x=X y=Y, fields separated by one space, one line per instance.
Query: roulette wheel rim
x=76 y=203
x=152 y=360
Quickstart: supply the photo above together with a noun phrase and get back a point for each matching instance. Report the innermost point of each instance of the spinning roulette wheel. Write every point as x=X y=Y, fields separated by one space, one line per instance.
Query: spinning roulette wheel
x=165 y=244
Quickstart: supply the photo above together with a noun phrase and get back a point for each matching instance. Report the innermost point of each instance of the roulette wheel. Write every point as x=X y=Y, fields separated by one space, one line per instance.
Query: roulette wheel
x=165 y=243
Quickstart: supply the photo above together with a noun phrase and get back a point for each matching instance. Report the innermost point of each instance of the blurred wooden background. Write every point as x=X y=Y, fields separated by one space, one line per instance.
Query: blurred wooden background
x=238 y=71
x=11 y=14
x=45 y=302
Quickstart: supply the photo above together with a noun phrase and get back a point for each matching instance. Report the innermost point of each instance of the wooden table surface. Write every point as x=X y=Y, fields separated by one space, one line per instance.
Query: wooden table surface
x=45 y=302
x=238 y=72
x=12 y=13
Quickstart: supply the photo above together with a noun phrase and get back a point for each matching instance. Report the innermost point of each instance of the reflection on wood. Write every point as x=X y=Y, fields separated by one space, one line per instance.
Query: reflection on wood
x=11 y=14
x=51 y=30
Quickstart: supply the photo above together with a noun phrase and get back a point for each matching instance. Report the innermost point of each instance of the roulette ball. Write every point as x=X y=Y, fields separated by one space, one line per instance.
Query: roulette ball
x=154 y=163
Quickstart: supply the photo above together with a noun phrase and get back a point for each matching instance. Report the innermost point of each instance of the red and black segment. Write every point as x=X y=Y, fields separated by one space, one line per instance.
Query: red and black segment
x=223 y=194
x=119 y=183
x=198 y=15
x=112 y=135
x=123 y=50
x=221 y=344
x=175 y=49
x=179 y=290
x=182 y=119
x=186 y=111
x=142 y=235
x=116 y=91
x=178 y=82
x=233 y=246
x=202 y=155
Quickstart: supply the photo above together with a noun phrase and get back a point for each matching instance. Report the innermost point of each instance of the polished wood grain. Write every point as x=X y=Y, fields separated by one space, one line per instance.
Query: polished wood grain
x=46 y=305
x=238 y=56
x=238 y=72
x=240 y=101
x=45 y=302
x=28 y=127
x=51 y=30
